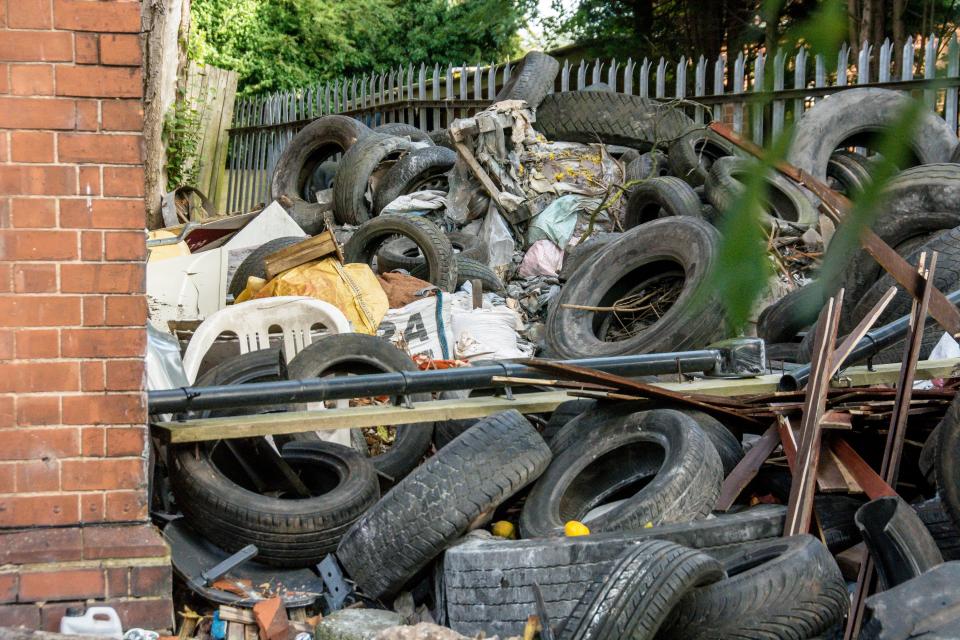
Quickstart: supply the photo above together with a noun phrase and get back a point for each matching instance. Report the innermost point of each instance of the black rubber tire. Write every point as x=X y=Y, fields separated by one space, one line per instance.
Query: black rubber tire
x=946 y=458
x=610 y=118
x=955 y=156
x=350 y=185
x=663 y=448
x=434 y=245
x=563 y=414
x=848 y=172
x=646 y=582
x=445 y=431
x=785 y=318
x=441 y=500
x=916 y=205
x=660 y=198
x=835 y=517
x=291 y=533
x=947 y=278
x=598 y=86
x=415 y=171
x=361 y=353
x=787 y=206
x=668 y=246
x=489 y=581
x=692 y=155
x=850 y=118
x=649 y=165
x=441 y=138
x=925 y=608
x=468 y=270
x=253 y=264
x=789 y=589
x=584 y=252
x=404 y=130
x=531 y=80
x=941 y=526
x=319 y=141
x=727 y=445
x=402 y=253
x=898 y=541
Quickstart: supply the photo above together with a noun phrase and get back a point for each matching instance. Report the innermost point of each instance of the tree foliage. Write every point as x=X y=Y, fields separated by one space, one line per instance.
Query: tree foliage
x=277 y=44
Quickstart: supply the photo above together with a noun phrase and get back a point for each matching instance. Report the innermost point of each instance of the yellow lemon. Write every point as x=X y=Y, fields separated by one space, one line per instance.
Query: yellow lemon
x=574 y=528
x=504 y=529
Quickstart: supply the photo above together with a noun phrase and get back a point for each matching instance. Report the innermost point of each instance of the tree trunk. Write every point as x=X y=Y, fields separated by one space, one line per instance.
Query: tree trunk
x=853 y=26
x=161 y=22
x=899 y=35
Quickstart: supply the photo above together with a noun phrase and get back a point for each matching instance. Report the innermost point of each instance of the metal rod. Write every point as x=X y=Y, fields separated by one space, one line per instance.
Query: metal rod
x=871 y=344
x=409 y=382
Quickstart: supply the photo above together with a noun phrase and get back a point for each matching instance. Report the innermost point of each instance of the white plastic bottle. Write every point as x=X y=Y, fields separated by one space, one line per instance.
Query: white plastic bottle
x=96 y=621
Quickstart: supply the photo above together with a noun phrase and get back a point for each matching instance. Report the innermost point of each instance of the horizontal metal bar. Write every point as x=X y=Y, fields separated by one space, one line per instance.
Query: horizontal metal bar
x=409 y=382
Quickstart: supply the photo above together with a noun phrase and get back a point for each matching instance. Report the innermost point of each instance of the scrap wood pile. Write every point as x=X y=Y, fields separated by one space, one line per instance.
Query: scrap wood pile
x=584 y=224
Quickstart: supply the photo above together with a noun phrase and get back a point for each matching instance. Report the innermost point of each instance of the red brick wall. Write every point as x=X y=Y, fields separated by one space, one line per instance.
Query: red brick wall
x=74 y=526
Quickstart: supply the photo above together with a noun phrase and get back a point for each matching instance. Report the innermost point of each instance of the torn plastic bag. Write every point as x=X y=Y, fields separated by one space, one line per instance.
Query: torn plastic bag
x=543 y=258
x=352 y=288
x=556 y=222
x=488 y=334
x=417 y=202
x=495 y=233
x=164 y=364
x=424 y=327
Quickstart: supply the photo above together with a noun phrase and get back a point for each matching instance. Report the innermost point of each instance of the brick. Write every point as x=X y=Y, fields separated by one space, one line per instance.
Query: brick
x=4 y=88
x=37 y=180
x=7 y=412
x=39 y=245
x=99 y=82
x=35 y=278
x=8 y=477
x=125 y=245
x=36 y=511
x=92 y=379
x=120 y=50
x=151 y=581
x=93 y=441
x=9 y=583
x=87 y=48
x=31 y=146
x=38 y=410
x=92 y=507
x=31 y=79
x=271 y=617
x=125 y=506
x=122 y=115
x=33 y=213
x=89 y=184
x=37 y=113
x=36 y=46
x=38 y=443
x=39 y=311
x=6 y=277
x=101 y=474
x=62 y=585
x=104 y=409
x=94 y=311
x=27 y=377
x=126 y=310
x=38 y=476
x=41 y=545
x=124 y=181
x=94 y=15
x=152 y=613
x=7 y=345
x=118 y=582
x=91 y=245
x=124 y=541
x=126 y=441
x=102 y=278
x=93 y=147
x=29 y=14
x=20 y=615
x=102 y=343
x=38 y=343
x=124 y=375
x=102 y=214
x=88 y=115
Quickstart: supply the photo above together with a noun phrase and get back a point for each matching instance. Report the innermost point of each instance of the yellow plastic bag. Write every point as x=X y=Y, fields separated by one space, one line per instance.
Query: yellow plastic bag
x=352 y=288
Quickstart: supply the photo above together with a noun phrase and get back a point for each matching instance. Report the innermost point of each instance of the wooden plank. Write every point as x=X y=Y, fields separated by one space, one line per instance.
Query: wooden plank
x=236 y=614
x=354 y=417
x=829 y=477
x=218 y=184
x=314 y=248
x=745 y=471
x=864 y=475
x=235 y=631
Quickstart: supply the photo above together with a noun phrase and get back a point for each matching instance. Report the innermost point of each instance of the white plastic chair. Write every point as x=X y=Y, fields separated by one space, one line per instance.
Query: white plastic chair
x=251 y=321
